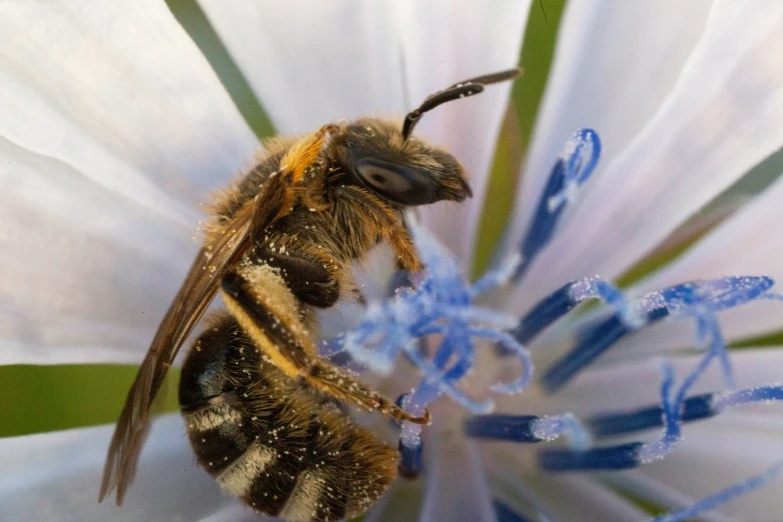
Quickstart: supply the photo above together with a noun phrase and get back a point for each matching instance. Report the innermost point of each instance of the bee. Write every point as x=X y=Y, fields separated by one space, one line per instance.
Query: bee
x=259 y=404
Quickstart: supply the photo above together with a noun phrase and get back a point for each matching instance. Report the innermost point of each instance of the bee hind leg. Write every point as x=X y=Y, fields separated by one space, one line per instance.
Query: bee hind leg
x=266 y=311
x=345 y=386
x=309 y=280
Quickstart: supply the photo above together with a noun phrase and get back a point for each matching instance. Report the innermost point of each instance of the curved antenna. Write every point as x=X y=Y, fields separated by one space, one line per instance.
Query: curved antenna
x=459 y=90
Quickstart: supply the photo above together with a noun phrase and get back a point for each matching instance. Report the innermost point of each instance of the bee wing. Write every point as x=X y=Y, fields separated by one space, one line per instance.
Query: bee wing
x=189 y=305
x=274 y=201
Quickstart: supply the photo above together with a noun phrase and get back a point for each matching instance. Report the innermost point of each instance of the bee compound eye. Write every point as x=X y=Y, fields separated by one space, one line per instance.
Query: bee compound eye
x=397 y=183
x=385 y=180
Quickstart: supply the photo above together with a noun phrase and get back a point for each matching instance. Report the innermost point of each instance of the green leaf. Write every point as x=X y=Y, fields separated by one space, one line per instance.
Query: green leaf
x=192 y=18
x=538 y=49
x=46 y=398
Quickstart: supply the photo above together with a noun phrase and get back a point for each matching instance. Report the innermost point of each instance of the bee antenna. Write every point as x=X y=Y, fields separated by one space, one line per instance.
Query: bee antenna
x=459 y=90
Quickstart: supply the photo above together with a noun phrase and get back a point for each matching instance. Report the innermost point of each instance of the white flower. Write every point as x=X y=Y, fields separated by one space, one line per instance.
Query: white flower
x=113 y=126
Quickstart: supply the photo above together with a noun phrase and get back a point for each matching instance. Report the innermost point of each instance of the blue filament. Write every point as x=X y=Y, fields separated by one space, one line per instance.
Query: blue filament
x=624 y=456
x=546 y=312
x=761 y=394
x=504 y=513
x=593 y=344
x=512 y=428
x=528 y=428
x=411 y=459
x=441 y=303
x=572 y=169
x=721 y=497
x=697 y=300
x=693 y=408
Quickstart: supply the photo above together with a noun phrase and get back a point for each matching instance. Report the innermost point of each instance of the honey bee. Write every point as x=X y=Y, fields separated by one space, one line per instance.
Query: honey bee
x=260 y=405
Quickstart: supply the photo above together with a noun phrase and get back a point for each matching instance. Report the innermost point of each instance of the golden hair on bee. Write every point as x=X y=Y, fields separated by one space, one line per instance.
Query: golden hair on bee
x=258 y=401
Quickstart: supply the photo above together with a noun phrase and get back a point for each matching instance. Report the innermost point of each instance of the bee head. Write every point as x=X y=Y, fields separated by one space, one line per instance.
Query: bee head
x=408 y=172
x=388 y=159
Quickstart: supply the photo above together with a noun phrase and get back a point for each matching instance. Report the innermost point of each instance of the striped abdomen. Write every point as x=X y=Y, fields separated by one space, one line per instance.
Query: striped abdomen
x=271 y=442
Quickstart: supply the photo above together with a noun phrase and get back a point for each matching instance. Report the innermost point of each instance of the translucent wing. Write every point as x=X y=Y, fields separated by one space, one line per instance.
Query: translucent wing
x=275 y=200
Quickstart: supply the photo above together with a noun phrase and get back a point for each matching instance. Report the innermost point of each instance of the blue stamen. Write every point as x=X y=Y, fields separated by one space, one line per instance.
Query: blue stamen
x=571 y=170
x=528 y=428
x=496 y=277
x=504 y=513
x=699 y=300
x=546 y=312
x=510 y=345
x=551 y=428
x=623 y=456
x=766 y=394
x=512 y=428
x=693 y=408
x=411 y=459
x=730 y=493
x=440 y=303
x=593 y=344
x=598 y=288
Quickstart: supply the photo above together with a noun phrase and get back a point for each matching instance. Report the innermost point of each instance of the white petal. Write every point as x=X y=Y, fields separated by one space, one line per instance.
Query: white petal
x=401 y=503
x=658 y=493
x=723 y=116
x=633 y=385
x=719 y=453
x=56 y=476
x=444 y=42
x=311 y=63
x=456 y=488
x=114 y=124
x=573 y=497
x=314 y=63
x=611 y=71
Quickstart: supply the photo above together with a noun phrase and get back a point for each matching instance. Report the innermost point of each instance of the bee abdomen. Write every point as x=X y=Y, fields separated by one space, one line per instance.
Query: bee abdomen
x=272 y=442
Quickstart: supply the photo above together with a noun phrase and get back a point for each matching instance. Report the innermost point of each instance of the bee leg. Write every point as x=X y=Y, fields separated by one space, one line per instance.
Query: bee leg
x=389 y=224
x=345 y=386
x=266 y=311
x=402 y=244
x=309 y=280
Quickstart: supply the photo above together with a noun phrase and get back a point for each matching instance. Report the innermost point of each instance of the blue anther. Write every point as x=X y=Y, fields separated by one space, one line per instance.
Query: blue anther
x=624 y=456
x=721 y=497
x=571 y=170
x=411 y=459
x=504 y=513
x=594 y=342
x=547 y=311
x=512 y=428
x=605 y=425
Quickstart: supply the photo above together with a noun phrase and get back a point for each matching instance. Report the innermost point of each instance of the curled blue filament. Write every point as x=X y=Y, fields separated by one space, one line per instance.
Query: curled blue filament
x=441 y=304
